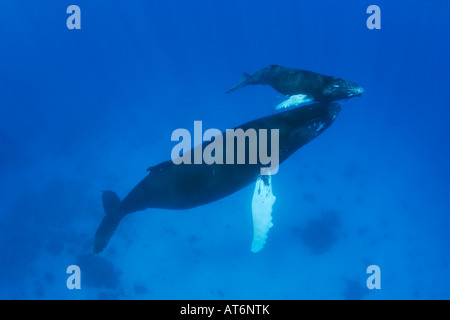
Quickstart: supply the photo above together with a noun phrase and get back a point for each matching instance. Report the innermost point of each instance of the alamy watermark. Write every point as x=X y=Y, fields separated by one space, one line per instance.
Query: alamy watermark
x=74 y=20
x=74 y=280
x=374 y=20
x=235 y=141
x=374 y=280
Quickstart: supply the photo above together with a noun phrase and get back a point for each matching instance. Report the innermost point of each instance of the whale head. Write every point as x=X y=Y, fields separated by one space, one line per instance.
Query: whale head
x=340 y=89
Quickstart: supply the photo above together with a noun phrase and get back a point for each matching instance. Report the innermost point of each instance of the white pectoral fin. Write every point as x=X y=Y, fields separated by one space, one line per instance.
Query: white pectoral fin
x=262 y=204
x=295 y=101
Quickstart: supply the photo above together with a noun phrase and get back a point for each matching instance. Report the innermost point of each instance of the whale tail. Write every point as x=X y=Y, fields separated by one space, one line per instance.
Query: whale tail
x=242 y=83
x=111 y=206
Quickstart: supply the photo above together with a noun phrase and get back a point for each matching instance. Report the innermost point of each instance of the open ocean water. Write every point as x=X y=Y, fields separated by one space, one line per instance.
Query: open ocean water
x=87 y=110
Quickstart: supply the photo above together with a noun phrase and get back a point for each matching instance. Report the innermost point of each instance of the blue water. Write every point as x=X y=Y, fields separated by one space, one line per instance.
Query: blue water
x=87 y=110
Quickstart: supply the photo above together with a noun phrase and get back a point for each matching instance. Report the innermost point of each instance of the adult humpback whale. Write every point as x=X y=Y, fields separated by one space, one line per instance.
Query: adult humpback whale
x=185 y=186
x=306 y=86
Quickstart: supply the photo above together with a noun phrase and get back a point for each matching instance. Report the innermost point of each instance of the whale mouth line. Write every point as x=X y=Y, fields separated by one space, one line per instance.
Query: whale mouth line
x=355 y=92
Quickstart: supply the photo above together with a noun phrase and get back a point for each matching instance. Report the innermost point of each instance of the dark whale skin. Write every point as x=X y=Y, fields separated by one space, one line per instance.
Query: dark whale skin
x=291 y=81
x=185 y=186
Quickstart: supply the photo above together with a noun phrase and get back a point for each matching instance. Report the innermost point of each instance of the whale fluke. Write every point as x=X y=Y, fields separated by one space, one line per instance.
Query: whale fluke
x=111 y=206
x=111 y=202
x=242 y=83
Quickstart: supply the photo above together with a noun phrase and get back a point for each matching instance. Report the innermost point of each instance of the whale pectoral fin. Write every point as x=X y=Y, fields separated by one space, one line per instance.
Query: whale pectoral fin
x=242 y=83
x=295 y=101
x=262 y=203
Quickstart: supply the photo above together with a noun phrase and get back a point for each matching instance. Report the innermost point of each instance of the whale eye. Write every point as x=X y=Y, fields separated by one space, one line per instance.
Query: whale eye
x=336 y=85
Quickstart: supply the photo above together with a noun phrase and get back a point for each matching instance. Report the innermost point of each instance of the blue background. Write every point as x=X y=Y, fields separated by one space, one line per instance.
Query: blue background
x=87 y=110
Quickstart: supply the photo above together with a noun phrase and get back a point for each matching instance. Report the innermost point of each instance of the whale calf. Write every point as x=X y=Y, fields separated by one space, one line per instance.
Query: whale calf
x=185 y=186
x=304 y=86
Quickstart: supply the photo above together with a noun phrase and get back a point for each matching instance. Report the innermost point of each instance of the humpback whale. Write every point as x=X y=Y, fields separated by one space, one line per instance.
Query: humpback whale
x=304 y=86
x=184 y=186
